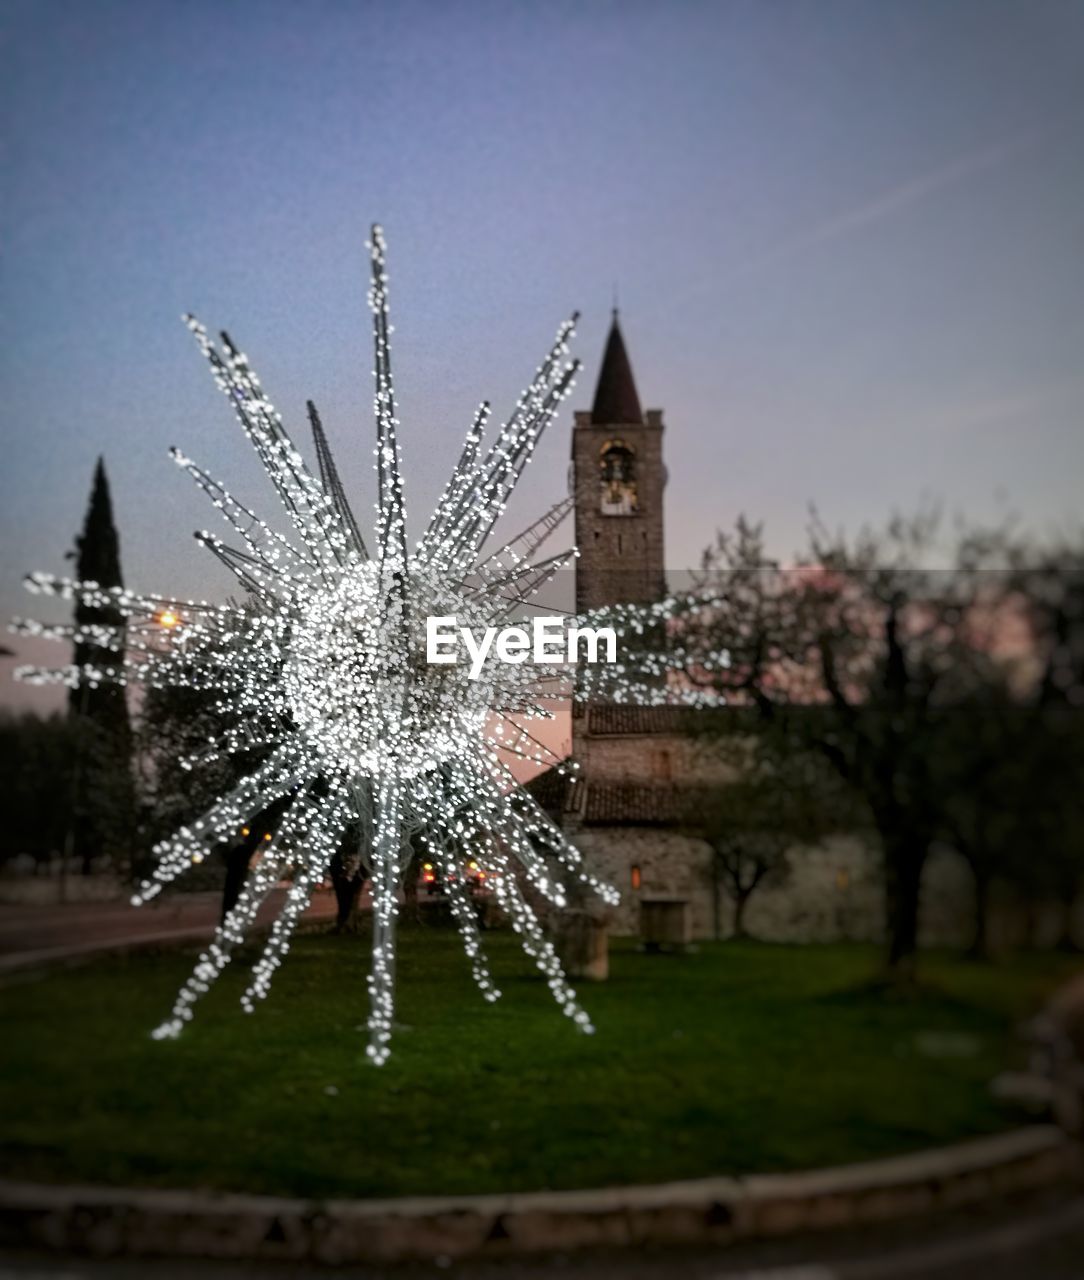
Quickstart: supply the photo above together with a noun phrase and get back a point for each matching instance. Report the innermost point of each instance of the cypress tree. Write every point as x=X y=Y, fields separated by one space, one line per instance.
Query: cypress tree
x=103 y=792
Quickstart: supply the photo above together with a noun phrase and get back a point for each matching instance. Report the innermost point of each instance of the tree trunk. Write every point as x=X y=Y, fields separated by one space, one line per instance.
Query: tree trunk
x=904 y=860
x=1031 y=922
x=980 y=942
x=1066 y=941
x=237 y=860
x=716 y=923
x=347 y=891
x=741 y=898
x=411 y=906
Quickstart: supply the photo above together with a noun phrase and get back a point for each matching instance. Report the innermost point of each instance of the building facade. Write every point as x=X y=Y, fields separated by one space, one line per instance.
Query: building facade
x=624 y=808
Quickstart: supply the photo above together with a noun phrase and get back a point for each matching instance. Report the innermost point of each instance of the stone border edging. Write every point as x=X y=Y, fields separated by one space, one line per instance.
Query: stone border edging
x=120 y=1221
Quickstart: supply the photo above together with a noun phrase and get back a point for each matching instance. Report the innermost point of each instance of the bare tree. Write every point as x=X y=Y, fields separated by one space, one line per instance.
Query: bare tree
x=778 y=803
x=862 y=655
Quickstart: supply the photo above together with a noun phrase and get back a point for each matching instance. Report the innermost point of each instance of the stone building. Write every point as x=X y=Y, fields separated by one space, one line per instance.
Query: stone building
x=623 y=809
x=638 y=764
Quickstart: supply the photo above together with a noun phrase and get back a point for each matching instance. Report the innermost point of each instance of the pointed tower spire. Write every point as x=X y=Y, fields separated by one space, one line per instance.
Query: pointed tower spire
x=98 y=547
x=616 y=401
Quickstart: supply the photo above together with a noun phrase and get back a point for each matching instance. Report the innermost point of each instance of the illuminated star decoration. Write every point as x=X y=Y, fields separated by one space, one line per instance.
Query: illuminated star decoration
x=323 y=670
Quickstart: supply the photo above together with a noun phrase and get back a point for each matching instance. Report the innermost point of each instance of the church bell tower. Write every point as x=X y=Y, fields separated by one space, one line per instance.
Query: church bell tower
x=617 y=483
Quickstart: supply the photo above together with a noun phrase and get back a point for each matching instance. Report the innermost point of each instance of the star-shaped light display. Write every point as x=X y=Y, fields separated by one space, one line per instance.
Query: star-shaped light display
x=323 y=668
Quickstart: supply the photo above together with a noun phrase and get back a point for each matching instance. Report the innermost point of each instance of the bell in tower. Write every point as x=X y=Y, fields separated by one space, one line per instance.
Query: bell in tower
x=617 y=482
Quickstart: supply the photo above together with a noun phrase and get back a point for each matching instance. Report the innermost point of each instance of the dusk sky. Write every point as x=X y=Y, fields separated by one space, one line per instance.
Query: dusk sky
x=847 y=238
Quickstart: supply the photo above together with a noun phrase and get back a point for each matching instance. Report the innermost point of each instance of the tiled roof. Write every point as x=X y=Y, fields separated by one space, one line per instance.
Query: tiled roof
x=610 y=803
x=610 y=720
x=613 y=803
x=550 y=790
x=626 y=721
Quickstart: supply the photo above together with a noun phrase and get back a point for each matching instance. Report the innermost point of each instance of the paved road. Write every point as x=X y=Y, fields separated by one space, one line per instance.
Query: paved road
x=30 y=934
x=1040 y=1240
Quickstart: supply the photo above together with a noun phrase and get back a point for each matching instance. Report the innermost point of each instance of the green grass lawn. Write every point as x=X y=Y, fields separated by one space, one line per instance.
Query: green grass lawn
x=738 y=1057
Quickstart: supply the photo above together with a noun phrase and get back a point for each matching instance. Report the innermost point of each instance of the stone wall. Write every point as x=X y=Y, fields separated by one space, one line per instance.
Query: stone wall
x=651 y=759
x=834 y=893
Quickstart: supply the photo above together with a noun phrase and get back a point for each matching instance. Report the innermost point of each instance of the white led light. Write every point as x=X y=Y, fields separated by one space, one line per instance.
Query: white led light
x=324 y=668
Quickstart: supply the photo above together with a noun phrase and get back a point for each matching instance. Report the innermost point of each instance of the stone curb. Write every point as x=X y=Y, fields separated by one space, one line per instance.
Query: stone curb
x=118 y=1221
